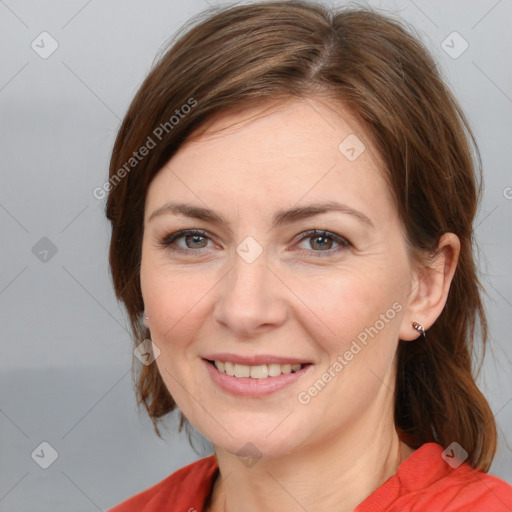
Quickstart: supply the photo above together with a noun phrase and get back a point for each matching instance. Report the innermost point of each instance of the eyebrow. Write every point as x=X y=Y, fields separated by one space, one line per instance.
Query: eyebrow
x=282 y=217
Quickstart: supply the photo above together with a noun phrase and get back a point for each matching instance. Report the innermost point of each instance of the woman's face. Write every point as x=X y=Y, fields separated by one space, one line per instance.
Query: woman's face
x=262 y=293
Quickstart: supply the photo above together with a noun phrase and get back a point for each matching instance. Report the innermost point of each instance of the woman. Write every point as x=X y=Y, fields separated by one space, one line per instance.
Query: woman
x=291 y=196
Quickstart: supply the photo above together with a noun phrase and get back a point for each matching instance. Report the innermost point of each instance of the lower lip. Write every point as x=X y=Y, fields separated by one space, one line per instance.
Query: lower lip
x=245 y=386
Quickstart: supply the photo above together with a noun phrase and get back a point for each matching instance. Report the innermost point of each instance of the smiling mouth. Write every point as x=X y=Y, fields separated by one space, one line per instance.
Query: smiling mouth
x=260 y=371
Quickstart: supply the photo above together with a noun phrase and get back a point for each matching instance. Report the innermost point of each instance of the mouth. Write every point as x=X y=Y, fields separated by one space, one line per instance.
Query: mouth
x=255 y=376
x=260 y=371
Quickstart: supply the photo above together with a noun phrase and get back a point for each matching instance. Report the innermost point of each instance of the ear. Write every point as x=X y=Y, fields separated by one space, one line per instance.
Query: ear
x=430 y=287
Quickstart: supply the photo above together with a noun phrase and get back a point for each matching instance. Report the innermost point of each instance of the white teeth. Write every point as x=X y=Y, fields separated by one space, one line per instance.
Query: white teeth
x=229 y=368
x=274 y=369
x=242 y=370
x=261 y=371
x=286 y=368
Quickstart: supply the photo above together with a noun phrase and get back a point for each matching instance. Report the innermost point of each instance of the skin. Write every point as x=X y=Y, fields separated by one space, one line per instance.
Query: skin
x=246 y=166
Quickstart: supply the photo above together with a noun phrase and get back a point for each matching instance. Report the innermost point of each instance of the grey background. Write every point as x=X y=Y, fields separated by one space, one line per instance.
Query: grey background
x=66 y=350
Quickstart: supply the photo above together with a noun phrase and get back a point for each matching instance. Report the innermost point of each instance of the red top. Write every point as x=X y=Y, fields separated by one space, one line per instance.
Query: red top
x=424 y=483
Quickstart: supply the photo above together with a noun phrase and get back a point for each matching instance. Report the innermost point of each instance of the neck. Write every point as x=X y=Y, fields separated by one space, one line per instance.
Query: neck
x=343 y=474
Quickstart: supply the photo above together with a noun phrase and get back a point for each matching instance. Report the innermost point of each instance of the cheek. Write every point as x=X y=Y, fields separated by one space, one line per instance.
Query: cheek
x=173 y=300
x=361 y=316
x=347 y=302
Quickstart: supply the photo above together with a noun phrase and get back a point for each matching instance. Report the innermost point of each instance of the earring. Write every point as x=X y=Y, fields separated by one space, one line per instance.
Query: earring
x=145 y=318
x=419 y=328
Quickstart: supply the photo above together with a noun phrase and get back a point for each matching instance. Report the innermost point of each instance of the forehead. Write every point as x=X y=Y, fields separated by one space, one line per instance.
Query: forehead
x=275 y=155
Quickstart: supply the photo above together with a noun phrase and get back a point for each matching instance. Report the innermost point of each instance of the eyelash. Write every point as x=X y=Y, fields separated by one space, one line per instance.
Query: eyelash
x=168 y=240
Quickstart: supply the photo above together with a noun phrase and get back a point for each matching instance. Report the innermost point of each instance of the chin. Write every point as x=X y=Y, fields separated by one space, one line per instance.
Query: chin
x=255 y=438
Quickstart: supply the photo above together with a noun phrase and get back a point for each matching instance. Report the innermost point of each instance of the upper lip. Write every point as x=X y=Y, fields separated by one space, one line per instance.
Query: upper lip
x=255 y=360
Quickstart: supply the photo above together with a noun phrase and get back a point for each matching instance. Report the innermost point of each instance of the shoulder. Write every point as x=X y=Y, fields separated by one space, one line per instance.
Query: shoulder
x=469 y=490
x=428 y=481
x=455 y=486
x=185 y=489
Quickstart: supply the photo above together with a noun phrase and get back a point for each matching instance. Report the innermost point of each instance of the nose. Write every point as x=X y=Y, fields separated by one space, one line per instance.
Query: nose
x=251 y=298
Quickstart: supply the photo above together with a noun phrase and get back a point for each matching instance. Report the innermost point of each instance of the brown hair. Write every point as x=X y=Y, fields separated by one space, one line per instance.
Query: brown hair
x=372 y=65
